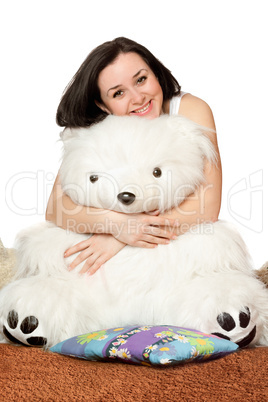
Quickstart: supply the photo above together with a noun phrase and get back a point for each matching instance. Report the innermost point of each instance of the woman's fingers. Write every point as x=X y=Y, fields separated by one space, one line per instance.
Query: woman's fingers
x=159 y=232
x=95 y=251
x=152 y=240
x=90 y=263
x=91 y=267
x=77 y=247
x=160 y=221
x=156 y=212
x=98 y=249
x=80 y=258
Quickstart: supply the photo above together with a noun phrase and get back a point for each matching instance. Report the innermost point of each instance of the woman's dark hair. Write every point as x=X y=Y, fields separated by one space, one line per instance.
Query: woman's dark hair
x=77 y=107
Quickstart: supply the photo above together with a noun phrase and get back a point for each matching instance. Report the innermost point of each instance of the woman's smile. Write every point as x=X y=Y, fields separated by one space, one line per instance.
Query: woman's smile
x=144 y=110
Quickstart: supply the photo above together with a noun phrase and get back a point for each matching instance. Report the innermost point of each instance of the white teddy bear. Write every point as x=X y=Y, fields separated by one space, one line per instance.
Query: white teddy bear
x=203 y=280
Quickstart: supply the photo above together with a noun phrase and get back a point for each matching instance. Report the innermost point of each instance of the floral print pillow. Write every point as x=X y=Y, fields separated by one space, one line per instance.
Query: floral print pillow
x=147 y=345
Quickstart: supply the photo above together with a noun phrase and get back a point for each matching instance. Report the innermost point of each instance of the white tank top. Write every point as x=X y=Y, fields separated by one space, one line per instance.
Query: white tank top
x=174 y=104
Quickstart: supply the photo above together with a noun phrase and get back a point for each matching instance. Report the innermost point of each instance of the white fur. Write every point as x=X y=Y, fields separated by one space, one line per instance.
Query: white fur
x=188 y=283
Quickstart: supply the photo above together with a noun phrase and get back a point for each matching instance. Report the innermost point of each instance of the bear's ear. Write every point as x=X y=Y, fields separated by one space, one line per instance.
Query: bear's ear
x=183 y=125
x=194 y=133
x=68 y=135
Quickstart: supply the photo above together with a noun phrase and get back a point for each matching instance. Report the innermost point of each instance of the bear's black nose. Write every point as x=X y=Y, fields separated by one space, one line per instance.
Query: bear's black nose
x=126 y=198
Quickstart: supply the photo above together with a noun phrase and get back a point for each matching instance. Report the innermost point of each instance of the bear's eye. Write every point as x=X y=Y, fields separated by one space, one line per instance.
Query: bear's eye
x=93 y=178
x=157 y=172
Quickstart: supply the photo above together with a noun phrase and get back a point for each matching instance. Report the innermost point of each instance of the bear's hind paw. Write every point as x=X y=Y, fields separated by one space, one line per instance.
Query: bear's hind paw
x=228 y=324
x=17 y=334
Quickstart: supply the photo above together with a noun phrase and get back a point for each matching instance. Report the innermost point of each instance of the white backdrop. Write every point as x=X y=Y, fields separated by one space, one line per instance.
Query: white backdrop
x=216 y=49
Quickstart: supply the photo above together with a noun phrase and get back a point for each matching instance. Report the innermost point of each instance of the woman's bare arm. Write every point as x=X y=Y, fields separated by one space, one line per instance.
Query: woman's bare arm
x=204 y=204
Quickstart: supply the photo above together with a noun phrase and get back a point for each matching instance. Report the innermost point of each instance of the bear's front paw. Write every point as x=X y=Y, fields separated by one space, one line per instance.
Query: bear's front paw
x=239 y=331
x=17 y=332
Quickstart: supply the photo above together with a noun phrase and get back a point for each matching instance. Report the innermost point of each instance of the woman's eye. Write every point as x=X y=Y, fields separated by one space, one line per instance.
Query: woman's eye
x=157 y=172
x=141 y=79
x=117 y=94
x=93 y=178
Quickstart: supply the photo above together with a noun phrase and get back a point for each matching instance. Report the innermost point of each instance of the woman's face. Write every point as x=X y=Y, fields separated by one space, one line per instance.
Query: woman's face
x=129 y=87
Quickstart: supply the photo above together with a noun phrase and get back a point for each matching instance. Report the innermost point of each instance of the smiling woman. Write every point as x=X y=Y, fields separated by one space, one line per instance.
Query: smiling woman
x=138 y=92
x=123 y=78
x=84 y=100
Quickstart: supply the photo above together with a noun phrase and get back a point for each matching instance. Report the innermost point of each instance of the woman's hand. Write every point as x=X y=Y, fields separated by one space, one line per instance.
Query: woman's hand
x=140 y=230
x=143 y=230
x=96 y=250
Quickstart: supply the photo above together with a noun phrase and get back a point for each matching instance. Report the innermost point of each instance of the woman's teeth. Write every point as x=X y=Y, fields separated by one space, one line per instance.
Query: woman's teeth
x=143 y=109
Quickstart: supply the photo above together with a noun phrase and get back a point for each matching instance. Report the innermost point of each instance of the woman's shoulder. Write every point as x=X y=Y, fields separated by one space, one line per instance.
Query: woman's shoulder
x=197 y=109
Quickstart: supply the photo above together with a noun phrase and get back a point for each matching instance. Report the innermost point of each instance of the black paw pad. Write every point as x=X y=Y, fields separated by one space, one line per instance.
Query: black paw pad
x=221 y=336
x=37 y=341
x=244 y=318
x=12 y=319
x=27 y=326
x=226 y=321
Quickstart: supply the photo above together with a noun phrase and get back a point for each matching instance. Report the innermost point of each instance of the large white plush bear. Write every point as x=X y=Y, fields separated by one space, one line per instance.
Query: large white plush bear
x=203 y=280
